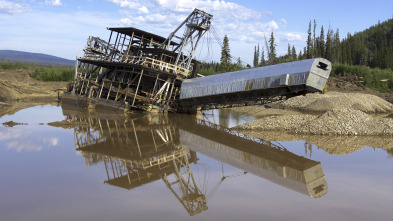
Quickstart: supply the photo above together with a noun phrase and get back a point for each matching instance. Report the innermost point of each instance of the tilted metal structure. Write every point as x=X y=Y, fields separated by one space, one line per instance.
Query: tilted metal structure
x=137 y=69
x=255 y=86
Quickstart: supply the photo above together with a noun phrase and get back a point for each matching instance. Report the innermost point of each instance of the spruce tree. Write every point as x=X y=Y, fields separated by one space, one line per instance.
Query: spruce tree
x=239 y=65
x=225 y=61
x=293 y=53
x=255 y=60
x=272 y=49
x=384 y=55
x=263 y=61
x=328 y=45
x=267 y=49
x=337 y=47
x=314 y=51
x=322 y=43
x=309 y=47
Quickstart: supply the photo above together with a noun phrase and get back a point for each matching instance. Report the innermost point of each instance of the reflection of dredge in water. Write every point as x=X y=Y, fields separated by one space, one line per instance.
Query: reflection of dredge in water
x=148 y=148
x=139 y=151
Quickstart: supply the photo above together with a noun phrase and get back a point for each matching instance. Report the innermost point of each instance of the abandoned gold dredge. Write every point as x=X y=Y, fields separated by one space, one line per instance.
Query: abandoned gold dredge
x=136 y=69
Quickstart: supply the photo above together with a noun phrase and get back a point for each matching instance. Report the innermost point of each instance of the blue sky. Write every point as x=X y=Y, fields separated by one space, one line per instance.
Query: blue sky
x=61 y=28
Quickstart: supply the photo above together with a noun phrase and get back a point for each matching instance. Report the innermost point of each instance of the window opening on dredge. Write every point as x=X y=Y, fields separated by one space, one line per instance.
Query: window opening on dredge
x=322 y=66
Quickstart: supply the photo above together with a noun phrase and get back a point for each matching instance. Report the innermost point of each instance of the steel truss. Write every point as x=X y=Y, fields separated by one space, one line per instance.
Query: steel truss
x=138 y=69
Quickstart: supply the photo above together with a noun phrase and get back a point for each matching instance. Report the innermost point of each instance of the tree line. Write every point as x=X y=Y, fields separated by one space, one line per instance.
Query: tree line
x=41 y=72
x=371 y=48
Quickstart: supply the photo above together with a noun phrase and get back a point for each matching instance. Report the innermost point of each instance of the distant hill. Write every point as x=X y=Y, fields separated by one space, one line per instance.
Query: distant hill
x=33 y=58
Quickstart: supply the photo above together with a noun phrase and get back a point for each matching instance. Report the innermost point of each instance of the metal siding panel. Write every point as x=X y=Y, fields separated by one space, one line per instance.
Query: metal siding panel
x=295 y=73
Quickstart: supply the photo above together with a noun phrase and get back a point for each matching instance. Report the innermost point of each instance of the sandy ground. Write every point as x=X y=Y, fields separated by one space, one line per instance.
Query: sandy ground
x=18 y=86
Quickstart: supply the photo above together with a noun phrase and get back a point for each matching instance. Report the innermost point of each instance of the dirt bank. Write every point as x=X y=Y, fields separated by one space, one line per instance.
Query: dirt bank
x=336 y=100
x=352 y=84
x=17 y=85
x=333 y=113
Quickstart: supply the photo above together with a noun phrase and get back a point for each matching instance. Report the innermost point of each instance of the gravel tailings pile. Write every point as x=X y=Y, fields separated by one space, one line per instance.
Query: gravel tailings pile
x=335 y=100
x=336 y=122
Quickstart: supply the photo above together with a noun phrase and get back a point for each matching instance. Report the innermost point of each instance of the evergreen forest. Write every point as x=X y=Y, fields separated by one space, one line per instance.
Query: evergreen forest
x=367 y=54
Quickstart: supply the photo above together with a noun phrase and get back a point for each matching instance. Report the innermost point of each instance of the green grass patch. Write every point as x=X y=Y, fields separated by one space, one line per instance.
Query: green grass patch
x=53 y=73
x=374 y=78
x=42 y=73
x=13 y=66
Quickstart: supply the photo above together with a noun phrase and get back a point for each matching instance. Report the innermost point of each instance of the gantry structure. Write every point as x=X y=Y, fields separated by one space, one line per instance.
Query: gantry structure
x=136 y=69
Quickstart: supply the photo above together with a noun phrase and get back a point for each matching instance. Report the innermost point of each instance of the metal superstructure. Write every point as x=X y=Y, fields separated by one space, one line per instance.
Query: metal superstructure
x=137 y=69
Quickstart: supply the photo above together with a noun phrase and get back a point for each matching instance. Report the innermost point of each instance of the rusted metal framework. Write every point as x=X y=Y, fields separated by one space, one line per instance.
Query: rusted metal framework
x=137 y=69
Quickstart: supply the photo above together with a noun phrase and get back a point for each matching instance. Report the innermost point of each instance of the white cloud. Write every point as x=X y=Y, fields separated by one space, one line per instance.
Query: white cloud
x=52 y=141
x=7 y=7
x=126 y=21
x=16 y=139
x=53 y=2
x=11 y=133
x=45 y=36
x=20 y=145
x=294 y=37
x=144 y=10
x=126 y=3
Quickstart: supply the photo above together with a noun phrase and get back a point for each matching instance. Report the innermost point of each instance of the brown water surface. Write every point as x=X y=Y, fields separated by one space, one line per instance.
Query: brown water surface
x=99 y=166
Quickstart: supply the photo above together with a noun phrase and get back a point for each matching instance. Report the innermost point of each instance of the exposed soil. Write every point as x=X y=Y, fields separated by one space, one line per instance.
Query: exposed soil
x=350 y=85
x=336 y=100
x=335 y=122
x=17 y=85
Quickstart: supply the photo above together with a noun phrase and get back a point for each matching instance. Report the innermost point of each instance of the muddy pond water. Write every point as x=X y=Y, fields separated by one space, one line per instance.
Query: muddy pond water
x=100 y=166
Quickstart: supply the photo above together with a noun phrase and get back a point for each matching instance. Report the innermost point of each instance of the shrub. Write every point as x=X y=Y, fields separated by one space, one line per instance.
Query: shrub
x=375 y=78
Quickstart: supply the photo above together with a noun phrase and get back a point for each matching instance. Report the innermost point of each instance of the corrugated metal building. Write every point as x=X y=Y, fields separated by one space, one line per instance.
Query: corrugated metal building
x=306 y=75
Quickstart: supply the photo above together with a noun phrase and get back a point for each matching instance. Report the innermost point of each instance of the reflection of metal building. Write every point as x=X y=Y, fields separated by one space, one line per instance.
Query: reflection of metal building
x=260 y=158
